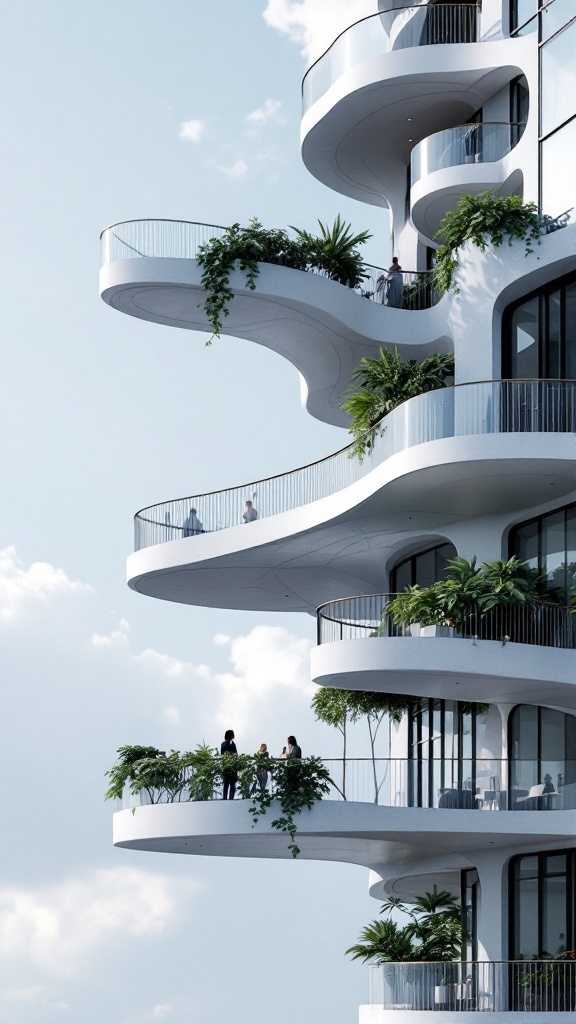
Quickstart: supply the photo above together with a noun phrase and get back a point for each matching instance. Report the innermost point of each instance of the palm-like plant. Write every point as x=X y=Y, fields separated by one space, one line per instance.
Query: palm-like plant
x=383 y=942
x=433 y=933
x=379 y=385
x=335 y=251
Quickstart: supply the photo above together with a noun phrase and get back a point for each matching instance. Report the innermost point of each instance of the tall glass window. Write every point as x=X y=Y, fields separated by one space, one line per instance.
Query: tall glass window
x=542 y=910
x=539 y=333
x=542 y=752
x=548 y=543
x=423 y=568
x=444 y=737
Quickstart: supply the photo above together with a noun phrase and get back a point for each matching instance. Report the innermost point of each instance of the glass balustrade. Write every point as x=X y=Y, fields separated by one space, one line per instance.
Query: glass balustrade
x=481 y=784
x=378 y=34
x=483 y=408
x=542 y=986
x=466 y=144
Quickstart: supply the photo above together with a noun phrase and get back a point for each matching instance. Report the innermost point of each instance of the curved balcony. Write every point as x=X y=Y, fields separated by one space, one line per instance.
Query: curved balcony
x=149 y=271
x=398 y=75
x=460 y=989
x=482 y=784
x=469 y=158
x=482 y=408
x=378 y=34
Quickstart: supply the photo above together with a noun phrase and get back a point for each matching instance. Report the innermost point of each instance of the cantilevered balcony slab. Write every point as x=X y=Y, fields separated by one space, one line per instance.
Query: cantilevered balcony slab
x=498 y=672
x=320 y=326
x=351 y=833
x=340 y=544
x=400 y=96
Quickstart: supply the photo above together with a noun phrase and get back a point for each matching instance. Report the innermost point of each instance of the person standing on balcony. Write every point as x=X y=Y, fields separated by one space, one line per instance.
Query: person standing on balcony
x=262 y=772
x=250 y=513
x=229 y=779
x=394 y=284
x=192 y=525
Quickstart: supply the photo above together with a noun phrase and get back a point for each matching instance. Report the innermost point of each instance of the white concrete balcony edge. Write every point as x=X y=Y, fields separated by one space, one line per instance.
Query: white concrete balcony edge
x=320 y=326
x=450 y=668
x=353 y=833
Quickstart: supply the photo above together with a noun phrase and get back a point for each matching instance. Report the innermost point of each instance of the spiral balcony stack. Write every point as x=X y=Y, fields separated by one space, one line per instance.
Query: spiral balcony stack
x=408 y=109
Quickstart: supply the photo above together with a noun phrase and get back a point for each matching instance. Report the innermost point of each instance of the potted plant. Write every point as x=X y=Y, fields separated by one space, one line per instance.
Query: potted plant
x=420 y=610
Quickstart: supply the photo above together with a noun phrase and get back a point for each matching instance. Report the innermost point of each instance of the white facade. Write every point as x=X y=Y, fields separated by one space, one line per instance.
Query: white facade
x=487 y=467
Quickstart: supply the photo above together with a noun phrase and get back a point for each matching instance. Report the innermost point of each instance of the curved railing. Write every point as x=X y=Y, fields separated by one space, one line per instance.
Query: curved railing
x=481 y=784
x=543 y=624
x=386 y=31
x=465 y=144
x=181 y=239
x=486 y=407
x=540 y=986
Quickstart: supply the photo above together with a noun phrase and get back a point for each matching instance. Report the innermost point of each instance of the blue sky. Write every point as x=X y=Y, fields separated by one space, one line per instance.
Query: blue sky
x=111 y=111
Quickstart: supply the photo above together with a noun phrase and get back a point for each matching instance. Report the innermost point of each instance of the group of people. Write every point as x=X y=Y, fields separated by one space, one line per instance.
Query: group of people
x=192 y=525
x=229 y=779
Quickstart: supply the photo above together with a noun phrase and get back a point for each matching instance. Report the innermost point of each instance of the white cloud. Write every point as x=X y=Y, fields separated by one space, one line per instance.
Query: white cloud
x=192 y=131
x=263 y=115
x=172 y=715
x=237 y=169
x=40 y=583
x=162 y=1010
x=221 y=639
x=307 y=23
x=37 y=995
x=54 y=926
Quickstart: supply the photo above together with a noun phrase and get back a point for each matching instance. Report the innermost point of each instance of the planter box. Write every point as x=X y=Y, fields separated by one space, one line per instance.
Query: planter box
x=446 y=631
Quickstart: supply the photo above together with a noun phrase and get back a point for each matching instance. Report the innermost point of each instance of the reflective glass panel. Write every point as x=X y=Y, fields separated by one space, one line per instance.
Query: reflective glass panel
x=553 y=310
x=554 y=554
x=524 y=341
x=521 y=11
x=554 y=914
x=570 y=332
x=557 y=69
x=558 y=162
x=554 y=15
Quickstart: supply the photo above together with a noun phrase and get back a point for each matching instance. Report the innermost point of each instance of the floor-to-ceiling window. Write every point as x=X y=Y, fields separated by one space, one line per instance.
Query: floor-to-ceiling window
x=542 y=753
x=542 y=910
x=548 y=543
x=444 y=737
x=539 y=334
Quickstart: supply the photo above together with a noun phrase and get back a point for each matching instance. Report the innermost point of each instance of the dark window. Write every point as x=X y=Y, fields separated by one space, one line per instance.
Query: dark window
x=541 y=753
x=423 y=568
x=548 y=543
x=443 y=737
x=542 y=912
x=539 y=334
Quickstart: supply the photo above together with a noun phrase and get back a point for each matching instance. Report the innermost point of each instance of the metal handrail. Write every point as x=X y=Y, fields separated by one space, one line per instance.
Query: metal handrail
x=443 y=17
x=540 y=986
x=541 y=623
x=487 y=407
x=447 y=783
x=161 y=237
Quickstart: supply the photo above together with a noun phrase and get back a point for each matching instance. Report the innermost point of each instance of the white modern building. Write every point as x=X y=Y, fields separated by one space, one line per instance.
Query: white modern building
x=408 y=109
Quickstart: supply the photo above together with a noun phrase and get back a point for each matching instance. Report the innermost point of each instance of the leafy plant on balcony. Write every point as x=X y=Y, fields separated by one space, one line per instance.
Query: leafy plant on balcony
x=334 y=253
x=433 y=932
x=340 y=708
x=467 y=591
x=197 y=775
x=486 y=219
x=380 y=385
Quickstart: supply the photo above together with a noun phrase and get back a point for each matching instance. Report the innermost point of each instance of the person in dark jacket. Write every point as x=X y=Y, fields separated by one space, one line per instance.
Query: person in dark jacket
x=229 y=779
x=293 y=750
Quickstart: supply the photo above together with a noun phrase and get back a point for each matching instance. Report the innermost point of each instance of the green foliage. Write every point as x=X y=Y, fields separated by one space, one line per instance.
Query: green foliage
x=432 y=933
x=467 y=589
x=296 y=783
x=379 y=385
x=485 y=219
x=333 y=253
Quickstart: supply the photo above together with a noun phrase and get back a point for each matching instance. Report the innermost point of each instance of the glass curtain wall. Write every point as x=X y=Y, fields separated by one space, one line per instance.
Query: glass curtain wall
x=539 y=334
x=422 y=568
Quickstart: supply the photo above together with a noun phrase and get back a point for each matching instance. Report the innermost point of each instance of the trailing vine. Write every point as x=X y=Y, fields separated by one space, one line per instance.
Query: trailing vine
x=485 y=219
x=294 y=783
x=333 y=253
